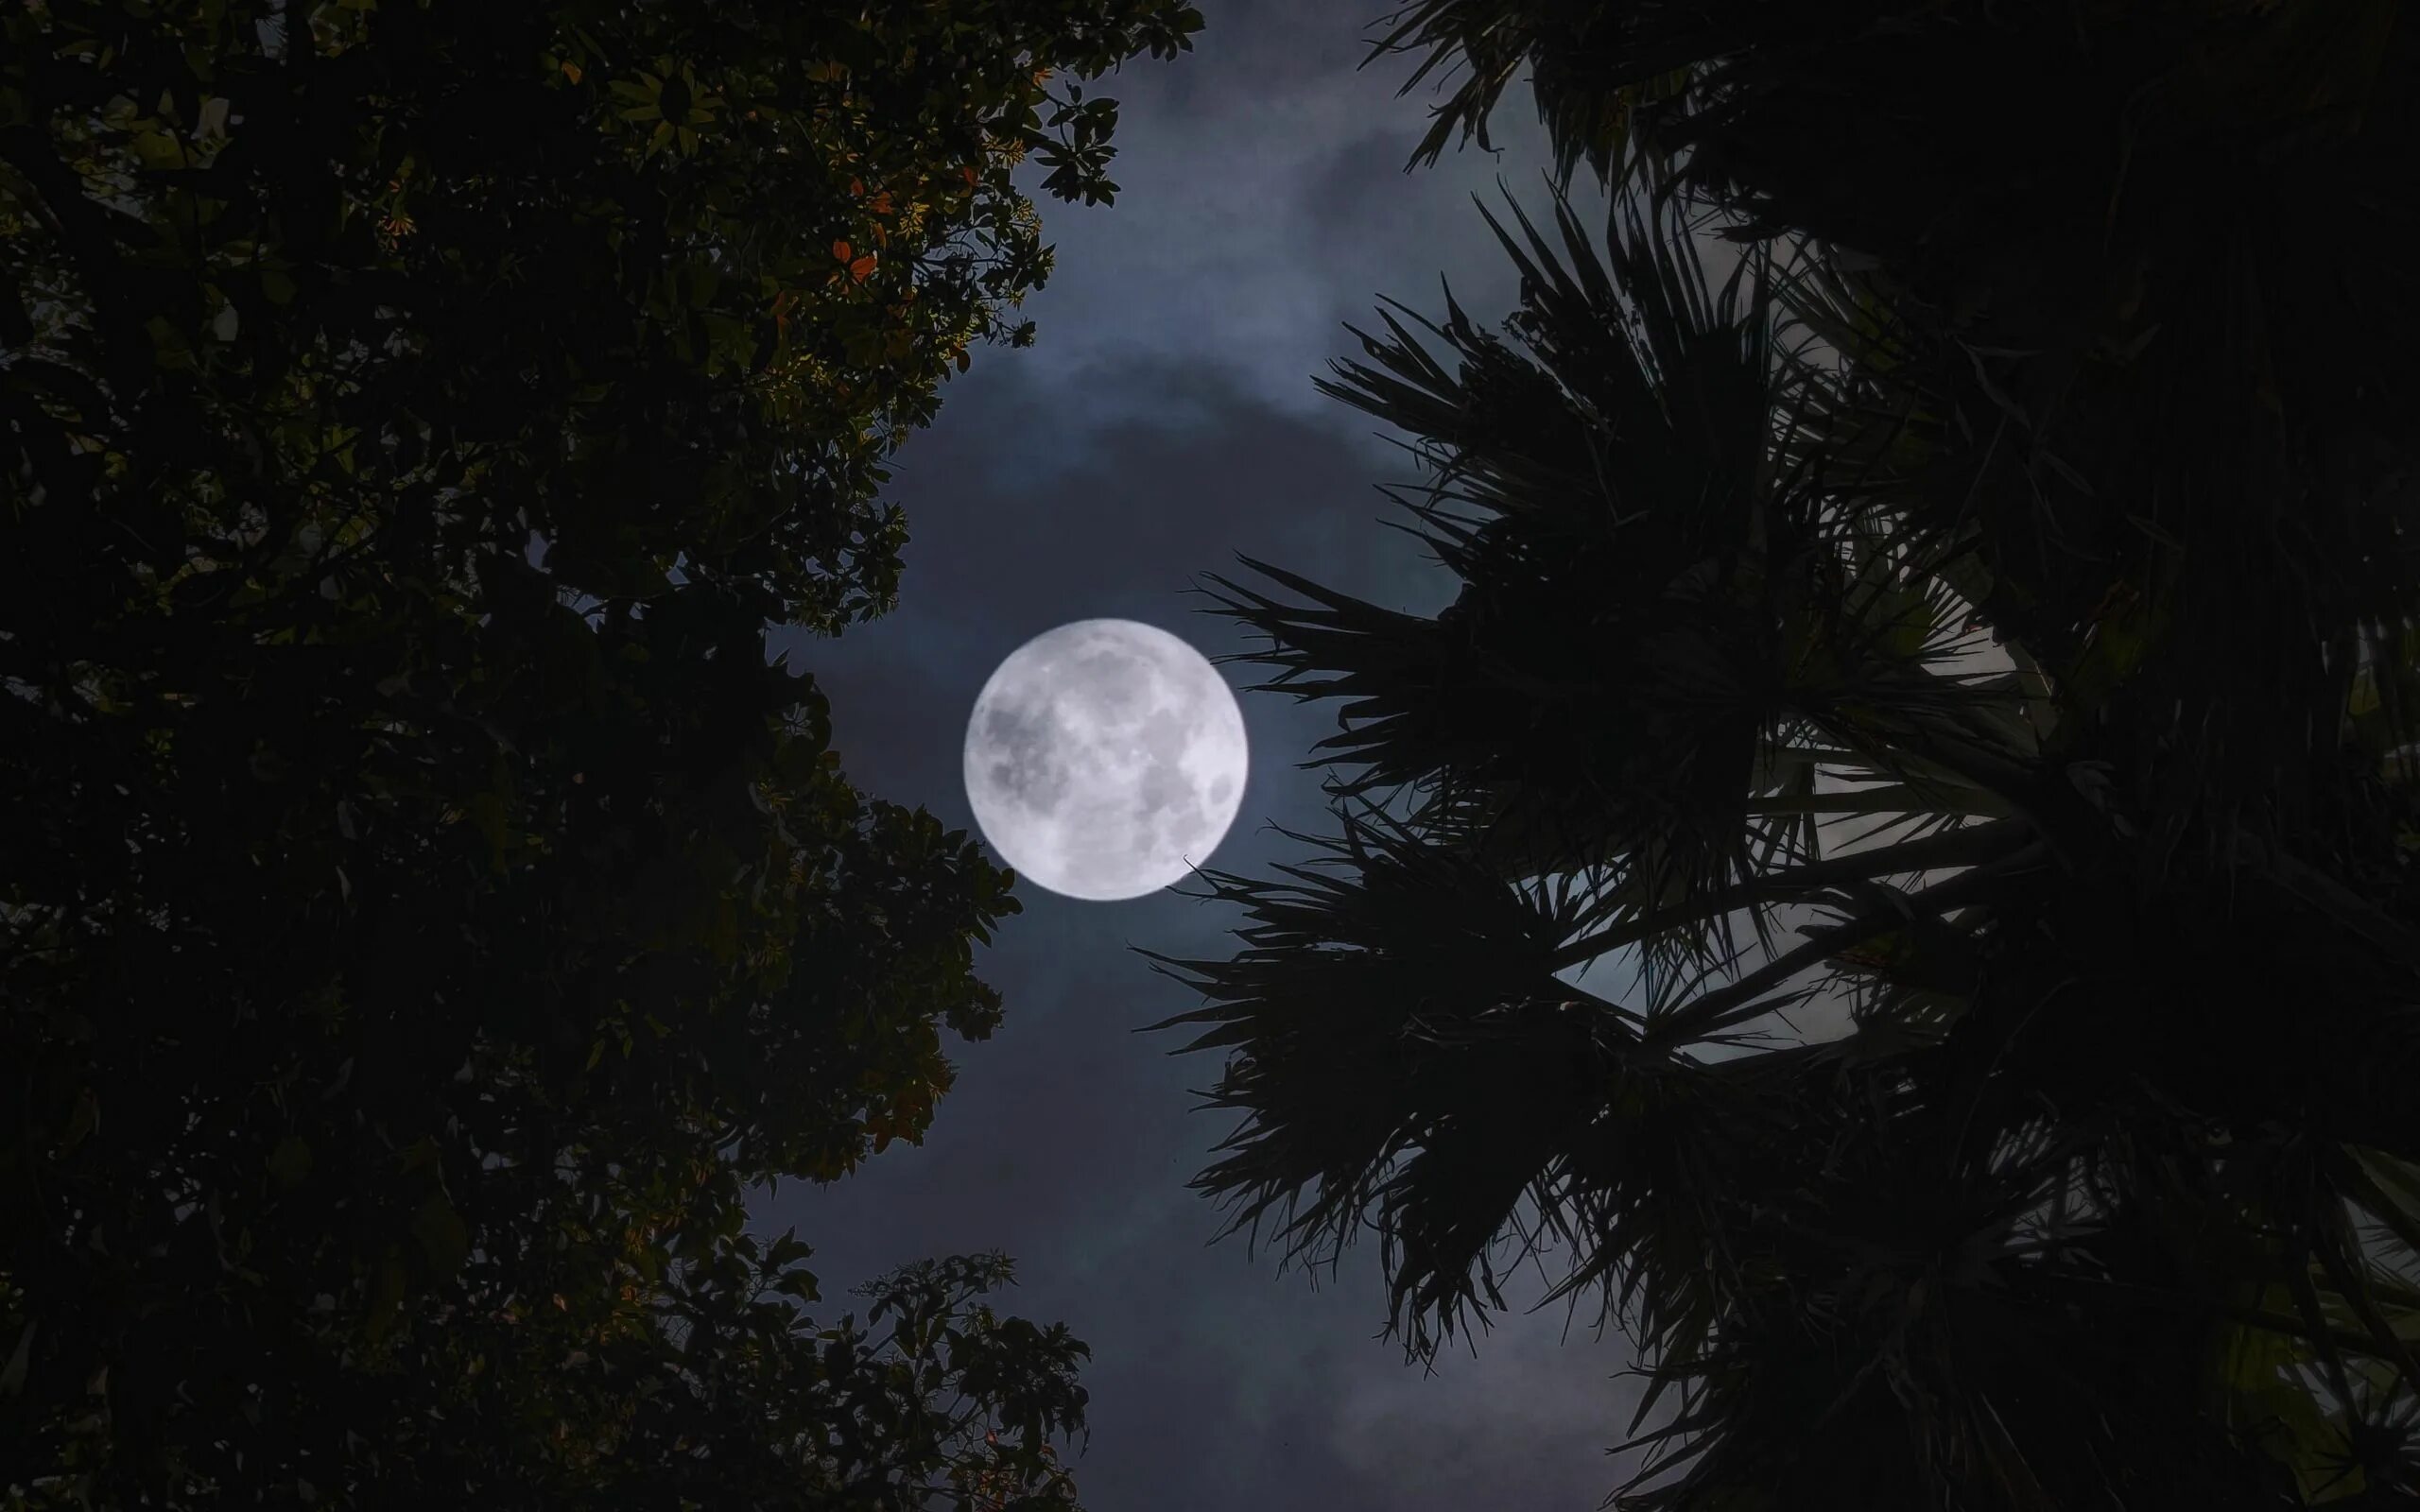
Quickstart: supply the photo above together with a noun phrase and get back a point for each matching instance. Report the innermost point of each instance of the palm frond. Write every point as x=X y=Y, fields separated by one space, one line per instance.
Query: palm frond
x=1414 y=1061
x=1794 y=598
x=1594 y=73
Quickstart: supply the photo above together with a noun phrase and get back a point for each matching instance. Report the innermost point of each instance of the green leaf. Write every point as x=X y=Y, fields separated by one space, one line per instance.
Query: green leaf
x=419 y=1155
x=81 y=1121
x=385 y=1299
x=291 y=1161
x=12 y=1377
x=800 y=1284
x=158 y=149
x=487 y=814
x=443 y=1237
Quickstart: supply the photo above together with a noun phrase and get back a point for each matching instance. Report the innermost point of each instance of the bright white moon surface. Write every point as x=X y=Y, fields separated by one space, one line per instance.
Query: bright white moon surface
x=1106 y=759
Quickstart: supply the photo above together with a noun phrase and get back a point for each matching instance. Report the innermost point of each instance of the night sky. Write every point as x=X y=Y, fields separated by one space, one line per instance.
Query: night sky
x=1165 y=423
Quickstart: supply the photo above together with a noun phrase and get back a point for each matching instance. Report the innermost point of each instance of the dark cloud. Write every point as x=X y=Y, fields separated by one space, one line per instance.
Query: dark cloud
x=1165 y=425
x=1263 y=201
x=1354 y=187
x=1070 y=1139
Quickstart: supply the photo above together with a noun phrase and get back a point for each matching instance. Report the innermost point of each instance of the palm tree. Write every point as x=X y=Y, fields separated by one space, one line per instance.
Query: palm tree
x=2094 y=1179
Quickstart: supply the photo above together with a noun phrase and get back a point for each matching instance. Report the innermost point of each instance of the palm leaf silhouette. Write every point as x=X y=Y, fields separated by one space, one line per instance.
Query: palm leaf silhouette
x=1720 y=713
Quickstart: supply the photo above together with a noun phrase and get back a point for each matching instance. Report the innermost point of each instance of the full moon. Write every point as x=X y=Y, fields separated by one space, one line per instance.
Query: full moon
x=1106 y=759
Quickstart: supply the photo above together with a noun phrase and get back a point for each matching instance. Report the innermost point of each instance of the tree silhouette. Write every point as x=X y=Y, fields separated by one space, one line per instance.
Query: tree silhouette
x=426 y=912
x=1951 y=674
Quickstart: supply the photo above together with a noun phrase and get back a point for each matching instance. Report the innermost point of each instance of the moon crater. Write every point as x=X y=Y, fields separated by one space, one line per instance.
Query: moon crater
x=1106 y=759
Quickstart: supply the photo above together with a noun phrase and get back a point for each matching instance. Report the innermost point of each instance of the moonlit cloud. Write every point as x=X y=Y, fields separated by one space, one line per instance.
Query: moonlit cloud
x=1165 y=423
x=1262 y=203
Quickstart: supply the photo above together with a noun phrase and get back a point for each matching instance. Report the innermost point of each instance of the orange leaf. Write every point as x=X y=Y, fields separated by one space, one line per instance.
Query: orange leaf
x=962 y=360
x=881 y=203
x=841 y=250
x=571 y=71
x=970 y=176
x=861 y=268
x=857 y=186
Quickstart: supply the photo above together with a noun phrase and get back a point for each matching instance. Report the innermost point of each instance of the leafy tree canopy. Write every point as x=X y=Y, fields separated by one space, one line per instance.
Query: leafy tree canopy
x=426 y=913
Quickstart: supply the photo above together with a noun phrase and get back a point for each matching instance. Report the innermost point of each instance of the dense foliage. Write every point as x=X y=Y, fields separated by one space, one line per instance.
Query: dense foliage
x=424 y=911
x=2002 y=579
